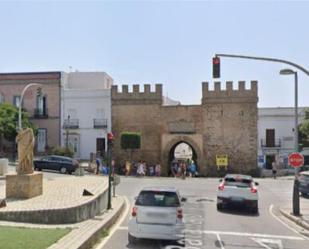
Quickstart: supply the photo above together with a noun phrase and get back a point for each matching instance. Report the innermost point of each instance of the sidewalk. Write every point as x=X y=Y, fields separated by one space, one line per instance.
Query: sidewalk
x=302 y=220
x=62 y=201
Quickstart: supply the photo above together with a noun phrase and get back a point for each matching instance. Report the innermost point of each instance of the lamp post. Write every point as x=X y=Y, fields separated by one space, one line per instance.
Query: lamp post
x=67 y=132
x=296 y=209
x=21 y=101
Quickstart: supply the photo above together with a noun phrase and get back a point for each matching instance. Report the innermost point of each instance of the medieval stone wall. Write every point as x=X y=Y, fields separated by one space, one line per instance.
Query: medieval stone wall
x=225 y=123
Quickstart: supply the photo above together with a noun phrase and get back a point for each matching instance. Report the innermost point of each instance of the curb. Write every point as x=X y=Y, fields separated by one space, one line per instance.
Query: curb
x=97 y=235
x=298 y=221
x=90 y=233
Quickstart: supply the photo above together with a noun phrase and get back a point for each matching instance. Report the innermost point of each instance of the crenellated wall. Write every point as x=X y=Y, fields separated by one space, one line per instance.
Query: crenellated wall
x=136 y=96
x=224 y=123
x=219 y=95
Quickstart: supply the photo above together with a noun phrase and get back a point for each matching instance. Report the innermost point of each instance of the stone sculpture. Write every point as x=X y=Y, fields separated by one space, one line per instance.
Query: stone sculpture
x=25 y=141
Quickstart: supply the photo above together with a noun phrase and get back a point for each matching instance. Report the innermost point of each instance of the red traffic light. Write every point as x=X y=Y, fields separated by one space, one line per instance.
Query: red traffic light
x=110 y=136
x=215 y=60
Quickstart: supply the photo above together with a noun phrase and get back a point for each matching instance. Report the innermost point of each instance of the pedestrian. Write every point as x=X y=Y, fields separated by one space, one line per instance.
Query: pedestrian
x=183 y=170
x=274 y=168
x=151 y=170
x=193 y=170
x=128 y=168
x=98 y=164
x=158 y=170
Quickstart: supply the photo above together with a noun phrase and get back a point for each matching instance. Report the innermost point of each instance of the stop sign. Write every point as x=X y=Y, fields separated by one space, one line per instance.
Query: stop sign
x=296 y=160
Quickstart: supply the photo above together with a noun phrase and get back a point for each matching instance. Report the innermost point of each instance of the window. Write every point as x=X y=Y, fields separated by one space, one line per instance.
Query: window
x=158 y=199
x=238 y=182
x=16 y=101
x=41 y=105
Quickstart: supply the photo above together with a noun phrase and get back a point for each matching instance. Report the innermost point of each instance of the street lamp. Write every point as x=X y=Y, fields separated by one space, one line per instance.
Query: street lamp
x=21 y=101
x=288 y=71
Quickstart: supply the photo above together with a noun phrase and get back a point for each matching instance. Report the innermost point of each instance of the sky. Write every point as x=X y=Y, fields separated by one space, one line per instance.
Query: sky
x=167 y=42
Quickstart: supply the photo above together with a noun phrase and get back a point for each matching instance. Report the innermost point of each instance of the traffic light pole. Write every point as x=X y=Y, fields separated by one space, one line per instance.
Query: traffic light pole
x=109 y=202
x=265 y=59
x=296 y=208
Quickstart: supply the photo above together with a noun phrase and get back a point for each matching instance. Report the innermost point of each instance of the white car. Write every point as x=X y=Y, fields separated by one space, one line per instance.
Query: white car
x=238 y=189
x=157 y=214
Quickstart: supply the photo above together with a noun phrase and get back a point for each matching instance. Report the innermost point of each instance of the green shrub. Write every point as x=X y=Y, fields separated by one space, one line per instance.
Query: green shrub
x=63 y=151
x=130 y=140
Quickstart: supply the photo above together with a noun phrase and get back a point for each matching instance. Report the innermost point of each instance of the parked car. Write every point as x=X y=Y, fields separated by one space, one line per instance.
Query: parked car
x=238 y=189
x=157 y=214
x=304 y=182
x=59 y=163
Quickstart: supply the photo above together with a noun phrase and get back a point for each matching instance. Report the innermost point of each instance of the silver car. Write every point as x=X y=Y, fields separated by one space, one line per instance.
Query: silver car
x=157 y=214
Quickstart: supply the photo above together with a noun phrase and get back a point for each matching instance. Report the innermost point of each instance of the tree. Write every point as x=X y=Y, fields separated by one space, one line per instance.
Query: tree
x=9 y=123
x=304 y=131
x=130 y=141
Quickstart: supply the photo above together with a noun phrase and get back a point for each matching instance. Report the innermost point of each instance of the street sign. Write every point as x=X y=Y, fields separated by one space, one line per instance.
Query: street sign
x=221 y=160
x=296 y=160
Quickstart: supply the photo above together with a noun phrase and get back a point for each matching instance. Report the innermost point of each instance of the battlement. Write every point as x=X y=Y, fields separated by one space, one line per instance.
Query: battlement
x=136 y=96
x=219 y=95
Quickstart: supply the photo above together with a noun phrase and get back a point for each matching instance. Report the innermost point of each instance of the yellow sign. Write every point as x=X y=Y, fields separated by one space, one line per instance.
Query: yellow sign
x=221 y=160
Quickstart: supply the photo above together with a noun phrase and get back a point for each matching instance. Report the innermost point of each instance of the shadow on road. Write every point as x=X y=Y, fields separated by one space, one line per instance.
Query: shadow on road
x=239 y=210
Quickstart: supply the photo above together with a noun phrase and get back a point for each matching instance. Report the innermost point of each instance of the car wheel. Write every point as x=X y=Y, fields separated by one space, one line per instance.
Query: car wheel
x=63 y=170
x=131 y=239
x=255 y=207
x=219 y=206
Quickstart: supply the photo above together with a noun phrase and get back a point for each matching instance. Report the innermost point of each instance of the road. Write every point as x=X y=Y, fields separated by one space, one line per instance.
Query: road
x=211 y=229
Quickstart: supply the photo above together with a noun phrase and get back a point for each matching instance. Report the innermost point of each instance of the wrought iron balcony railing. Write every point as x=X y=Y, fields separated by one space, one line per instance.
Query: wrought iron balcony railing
x=40 y=113
x=271 y=143
x=71 y=123
x=99 y=123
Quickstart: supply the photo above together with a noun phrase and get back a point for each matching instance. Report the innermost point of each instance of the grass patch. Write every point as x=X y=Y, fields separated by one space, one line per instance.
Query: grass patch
x=29 y=238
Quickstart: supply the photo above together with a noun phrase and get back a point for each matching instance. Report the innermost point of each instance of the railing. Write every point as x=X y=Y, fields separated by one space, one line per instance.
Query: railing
x=71 y=124
x=99 y=123
x=271 y=144
x=40 y=113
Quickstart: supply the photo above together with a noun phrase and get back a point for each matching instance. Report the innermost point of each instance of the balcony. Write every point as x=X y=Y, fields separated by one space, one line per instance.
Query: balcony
x=71 y=124
x=40 y=113
x=100 y=123
x=271 y=143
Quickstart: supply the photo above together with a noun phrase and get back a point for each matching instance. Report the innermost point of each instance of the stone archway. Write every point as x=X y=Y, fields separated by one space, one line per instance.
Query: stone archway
x=173 y=141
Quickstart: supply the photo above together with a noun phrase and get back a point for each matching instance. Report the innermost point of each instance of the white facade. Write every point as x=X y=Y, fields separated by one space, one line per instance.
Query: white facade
x=281 y=121
x=86 y=112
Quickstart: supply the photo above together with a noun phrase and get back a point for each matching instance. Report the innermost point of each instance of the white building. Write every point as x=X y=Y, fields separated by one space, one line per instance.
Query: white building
x=86 y=112
x=276 y=134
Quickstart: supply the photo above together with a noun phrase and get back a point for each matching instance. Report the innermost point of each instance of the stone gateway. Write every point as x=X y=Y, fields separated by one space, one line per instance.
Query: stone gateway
x=225 y=123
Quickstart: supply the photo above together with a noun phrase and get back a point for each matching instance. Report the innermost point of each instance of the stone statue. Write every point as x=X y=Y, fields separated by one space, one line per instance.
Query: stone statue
x=25 y=141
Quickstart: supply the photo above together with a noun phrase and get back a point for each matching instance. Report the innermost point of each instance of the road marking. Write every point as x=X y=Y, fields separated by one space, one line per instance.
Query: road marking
x=122 y=228
x=116 y=226
x=220 y=241
x=264 y=242
x=246 y=234
x=286 y=225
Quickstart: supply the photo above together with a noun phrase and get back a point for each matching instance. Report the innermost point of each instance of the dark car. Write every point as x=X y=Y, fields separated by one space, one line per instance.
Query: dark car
x=59 y=163
x=304 y=182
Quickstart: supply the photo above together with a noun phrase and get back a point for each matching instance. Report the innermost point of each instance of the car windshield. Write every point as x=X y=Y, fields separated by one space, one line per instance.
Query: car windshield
x=158 y=199
x=238 y=182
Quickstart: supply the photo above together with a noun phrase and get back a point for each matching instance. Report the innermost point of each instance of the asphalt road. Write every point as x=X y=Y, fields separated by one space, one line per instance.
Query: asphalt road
x=208 y=228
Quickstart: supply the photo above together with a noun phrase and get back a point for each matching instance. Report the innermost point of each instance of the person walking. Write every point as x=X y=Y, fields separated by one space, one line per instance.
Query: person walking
x=158 y=170
x=274 y=168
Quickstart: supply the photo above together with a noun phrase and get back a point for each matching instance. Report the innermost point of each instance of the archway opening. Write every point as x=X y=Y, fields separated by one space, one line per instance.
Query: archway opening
x=182 y=152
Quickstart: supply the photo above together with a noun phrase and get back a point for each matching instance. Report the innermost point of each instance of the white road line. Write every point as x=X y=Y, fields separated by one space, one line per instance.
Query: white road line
x=270 y=236
x=116 y=226
x=122 y=228
x=220 y=241
x=264 y=242
x=286 y=225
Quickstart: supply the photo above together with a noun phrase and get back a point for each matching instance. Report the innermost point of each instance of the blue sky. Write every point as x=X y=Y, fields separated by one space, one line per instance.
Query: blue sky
x=168 y=42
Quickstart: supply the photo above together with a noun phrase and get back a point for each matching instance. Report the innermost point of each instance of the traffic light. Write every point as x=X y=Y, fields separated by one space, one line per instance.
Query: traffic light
x=216 y=67
x=110 y=138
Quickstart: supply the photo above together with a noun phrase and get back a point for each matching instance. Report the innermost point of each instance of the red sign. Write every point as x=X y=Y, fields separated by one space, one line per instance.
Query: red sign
x=296 y=160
